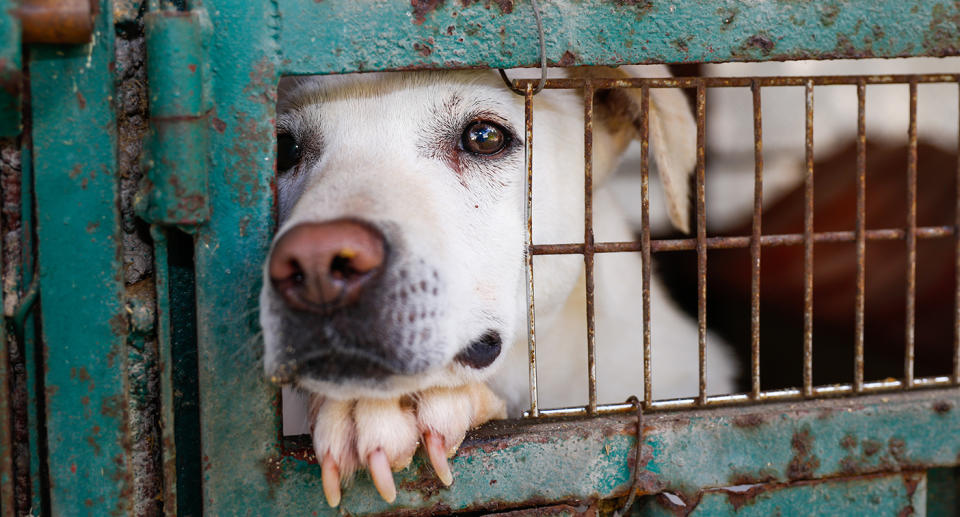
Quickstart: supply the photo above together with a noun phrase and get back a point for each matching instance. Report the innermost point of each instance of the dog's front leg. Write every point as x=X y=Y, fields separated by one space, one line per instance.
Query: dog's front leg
x=382 y=435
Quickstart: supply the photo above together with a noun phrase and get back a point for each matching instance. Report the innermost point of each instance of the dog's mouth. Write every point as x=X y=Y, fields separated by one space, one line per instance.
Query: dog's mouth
x=339 y=366
x=333 y=366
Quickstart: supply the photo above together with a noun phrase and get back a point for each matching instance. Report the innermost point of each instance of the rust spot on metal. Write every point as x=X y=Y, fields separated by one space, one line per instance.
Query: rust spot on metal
x=505 y=6
x=10 y=79
x=761 y=41
x=907 y=511
x=118 y=324
x=272 y=470
x=849 y=441
x=424 y=49
x=56 y=21
x=80 y=373
x=766 y=475
x=739 y=499
x=871 y=447
x=804 y=463
x=219 y=125
x=897 y=448
x=425 y=482
x=560 y=509
x=942 y=407
x=748 y=421
x=422 y=7
x=81 y=101
x=911 y=481
x=568 y=59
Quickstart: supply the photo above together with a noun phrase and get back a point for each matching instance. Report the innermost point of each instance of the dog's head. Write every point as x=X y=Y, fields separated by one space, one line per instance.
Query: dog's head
x=398 y=264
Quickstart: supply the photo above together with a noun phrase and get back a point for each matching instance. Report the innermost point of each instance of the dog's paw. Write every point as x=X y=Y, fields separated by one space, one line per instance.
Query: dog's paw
x=382 y=435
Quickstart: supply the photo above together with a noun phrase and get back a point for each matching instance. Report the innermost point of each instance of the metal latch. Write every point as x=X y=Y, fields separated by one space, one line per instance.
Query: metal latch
x=175 y=187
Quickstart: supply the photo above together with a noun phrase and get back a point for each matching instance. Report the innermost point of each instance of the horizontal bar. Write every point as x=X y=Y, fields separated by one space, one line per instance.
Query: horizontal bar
x=832 y=390
x=743 y=82
x=430 y=34
x=512 y=463
x=743 y=241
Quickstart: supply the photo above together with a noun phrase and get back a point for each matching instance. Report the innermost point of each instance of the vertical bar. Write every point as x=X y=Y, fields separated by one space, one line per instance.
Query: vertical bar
x=911 y=237
x=860 y=232
x=166 y=358
x=528 y=244
x=956 y=237
x=755 y=244
x=808 y=251
x=588 y=255
x=645 y=239
x=84 y=322
x=701 y=240
x=39 y=489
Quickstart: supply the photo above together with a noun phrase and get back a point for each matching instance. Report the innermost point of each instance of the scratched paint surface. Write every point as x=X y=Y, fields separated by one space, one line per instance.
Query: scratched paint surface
x=84 y=322
x=889 y=494
x=336 y=36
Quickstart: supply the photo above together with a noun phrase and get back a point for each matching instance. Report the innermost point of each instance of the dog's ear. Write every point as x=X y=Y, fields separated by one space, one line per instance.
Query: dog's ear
x=673 y=131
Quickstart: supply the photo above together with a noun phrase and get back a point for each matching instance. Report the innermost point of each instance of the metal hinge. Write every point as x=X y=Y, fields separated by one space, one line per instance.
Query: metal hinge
x=176 y=159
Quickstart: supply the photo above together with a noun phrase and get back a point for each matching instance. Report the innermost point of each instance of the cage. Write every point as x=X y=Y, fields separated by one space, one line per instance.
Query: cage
x=132 y=377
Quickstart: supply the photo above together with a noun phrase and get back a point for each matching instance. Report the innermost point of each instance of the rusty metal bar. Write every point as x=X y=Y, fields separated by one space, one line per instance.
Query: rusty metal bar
x=808 y=250
x=956 y=237
x=755 y=244
x=588 y=261
x=528 y=241
x=57 y=21
x=645 y=241
x=911 y=238
x=743 y=241
x=860 y=238
x=701 y=238
x=745 y=399
x=744 y=82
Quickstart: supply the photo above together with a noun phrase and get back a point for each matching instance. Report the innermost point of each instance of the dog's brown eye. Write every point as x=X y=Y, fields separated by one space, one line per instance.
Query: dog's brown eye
x=483 y=137
x=288 y=152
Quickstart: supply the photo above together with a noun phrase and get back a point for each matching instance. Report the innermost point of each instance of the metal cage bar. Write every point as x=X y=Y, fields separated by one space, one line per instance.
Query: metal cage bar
x=808 y=248
x=701 y=114
x=911 y=239
x=528 y=239
x=755 y=242
x=861 y=247
x=645 y=241
x=956 y=237
x=588 y=261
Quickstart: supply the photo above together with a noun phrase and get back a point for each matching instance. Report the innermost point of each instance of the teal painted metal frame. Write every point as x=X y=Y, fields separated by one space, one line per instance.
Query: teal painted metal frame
x=10 y=66
x=423 y=34
x=246 y=464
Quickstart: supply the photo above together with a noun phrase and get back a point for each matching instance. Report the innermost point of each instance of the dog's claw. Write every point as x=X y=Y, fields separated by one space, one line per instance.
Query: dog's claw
x=330 y=476
x=438 y=457
x=379 y=468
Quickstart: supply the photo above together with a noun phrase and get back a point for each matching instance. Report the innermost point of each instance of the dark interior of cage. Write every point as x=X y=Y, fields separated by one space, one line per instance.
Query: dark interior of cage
x=835 y=273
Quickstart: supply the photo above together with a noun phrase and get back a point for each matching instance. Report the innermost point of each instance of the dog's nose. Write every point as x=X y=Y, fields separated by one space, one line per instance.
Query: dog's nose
x=317 y=266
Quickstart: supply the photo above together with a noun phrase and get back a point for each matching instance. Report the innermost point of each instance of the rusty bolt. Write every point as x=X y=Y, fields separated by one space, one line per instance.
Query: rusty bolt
x=57 y=21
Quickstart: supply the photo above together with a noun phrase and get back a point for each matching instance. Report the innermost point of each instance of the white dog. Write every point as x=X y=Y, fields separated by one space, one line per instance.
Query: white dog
x=394 y=292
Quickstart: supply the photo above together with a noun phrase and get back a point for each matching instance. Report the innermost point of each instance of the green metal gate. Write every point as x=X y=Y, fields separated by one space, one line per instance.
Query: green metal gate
x=147 y=396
